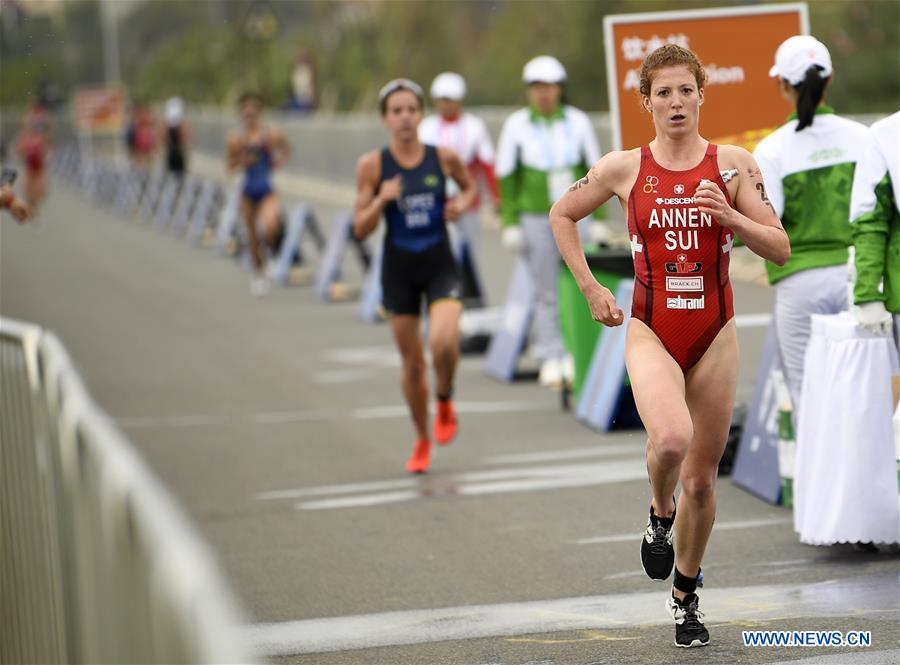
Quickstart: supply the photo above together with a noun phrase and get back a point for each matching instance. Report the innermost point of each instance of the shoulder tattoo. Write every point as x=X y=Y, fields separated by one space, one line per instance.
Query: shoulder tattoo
x=762 y=195
x=581 y=183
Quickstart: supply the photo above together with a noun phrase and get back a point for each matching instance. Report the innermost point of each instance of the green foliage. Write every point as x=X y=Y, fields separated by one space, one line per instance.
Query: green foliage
x=19 y=80
x=215 y=65
x=864 y=41
x=201 y=50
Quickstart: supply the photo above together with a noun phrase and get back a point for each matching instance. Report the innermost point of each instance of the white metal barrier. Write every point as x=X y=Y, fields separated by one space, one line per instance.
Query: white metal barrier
x=97 y=564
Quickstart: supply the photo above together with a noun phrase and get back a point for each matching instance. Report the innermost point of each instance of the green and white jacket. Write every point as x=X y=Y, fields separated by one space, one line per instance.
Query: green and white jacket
x=808 y=177
x=538 y=157
x=875 y=216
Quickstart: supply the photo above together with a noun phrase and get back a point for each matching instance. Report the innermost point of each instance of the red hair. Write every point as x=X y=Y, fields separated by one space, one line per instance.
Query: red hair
x=670 y=55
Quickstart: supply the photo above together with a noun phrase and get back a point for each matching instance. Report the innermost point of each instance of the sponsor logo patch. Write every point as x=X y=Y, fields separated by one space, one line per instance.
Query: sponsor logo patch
x=681 y=265
x=431 y=180
x=684 y=283
x=688 y=200
x=679 y=302
x=650 y=184
x=679 y=189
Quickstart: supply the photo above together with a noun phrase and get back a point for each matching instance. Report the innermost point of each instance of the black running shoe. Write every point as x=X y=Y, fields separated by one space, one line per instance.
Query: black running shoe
x=657 y=553
x=689 y=628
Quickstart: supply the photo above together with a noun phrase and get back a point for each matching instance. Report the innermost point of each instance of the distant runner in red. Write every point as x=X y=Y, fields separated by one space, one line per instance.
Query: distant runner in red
x=686 y=201
x=34 y=143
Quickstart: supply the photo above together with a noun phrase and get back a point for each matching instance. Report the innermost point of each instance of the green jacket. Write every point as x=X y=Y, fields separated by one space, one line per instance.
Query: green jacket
x=536 y=153
x=808 y=177
x=876 y=217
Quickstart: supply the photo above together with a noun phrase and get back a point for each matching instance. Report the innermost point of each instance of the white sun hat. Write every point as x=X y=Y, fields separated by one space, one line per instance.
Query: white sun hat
x=797 y=54
x=448 y=85
x=544 y=69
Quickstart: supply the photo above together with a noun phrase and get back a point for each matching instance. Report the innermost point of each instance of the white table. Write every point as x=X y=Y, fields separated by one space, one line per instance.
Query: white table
x=845 y=484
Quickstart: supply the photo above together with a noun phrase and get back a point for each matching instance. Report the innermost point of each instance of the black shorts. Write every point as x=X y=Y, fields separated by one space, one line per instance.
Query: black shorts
x=407 y=277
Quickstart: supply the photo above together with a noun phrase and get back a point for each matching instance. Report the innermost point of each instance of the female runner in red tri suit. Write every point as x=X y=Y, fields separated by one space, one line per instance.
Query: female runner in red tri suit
x=681 y=346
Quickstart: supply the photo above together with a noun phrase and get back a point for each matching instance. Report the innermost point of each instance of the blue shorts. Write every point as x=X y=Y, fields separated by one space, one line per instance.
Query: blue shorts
x=256 y=192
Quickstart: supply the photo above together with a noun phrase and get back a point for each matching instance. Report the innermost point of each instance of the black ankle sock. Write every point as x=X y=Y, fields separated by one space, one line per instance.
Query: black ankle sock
x=685 y=583
x=445 y=397
x=668 y=520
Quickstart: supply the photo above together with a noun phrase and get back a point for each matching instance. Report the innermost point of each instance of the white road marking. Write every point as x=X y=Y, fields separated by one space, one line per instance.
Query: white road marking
x=402 y=411
x=280 y=417
x=752 y=320
x=880 y=657
x=363 y=501
x=342 y=376
x=137 y=422
x=777 y=565
x=718 y=526
x=758 y=603
x=372 y=356
x=364 y=413
x=600 y=450
x=348 y=488
x=473 y=483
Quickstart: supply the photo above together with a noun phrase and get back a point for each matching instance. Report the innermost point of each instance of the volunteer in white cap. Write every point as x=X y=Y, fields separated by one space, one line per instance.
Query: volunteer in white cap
x=845 y=478
x=807 y=165
x=543 y=149
x=468 y=137
x=177 y=136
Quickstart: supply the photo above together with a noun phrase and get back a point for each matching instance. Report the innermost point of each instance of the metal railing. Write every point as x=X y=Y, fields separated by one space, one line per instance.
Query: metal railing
x=97 y=564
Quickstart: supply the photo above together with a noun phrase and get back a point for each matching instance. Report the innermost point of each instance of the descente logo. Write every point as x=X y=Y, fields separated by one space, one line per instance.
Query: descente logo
x=674 y=202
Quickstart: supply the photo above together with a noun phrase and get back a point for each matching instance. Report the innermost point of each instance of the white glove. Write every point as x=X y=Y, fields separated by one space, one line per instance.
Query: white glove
x=872 y=316
x=597 y=234
x=513 y=239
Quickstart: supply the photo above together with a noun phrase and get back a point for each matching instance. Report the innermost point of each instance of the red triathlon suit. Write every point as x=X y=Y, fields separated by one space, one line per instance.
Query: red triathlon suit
x=681 y=287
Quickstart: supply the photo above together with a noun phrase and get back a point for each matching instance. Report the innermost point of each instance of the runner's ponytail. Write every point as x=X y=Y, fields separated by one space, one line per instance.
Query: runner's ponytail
x=810 y=90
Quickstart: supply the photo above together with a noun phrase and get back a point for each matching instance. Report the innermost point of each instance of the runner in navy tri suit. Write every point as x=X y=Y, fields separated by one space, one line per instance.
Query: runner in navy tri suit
x=405 y=182
x=258 y=150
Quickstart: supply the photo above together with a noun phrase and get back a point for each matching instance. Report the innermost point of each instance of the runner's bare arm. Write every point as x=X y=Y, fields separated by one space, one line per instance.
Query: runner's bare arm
x=233 y=152
x=603 y=181
x=370 y=198
x=583 y=198
x=282 y=149
x=452 y=165
x=753 y=218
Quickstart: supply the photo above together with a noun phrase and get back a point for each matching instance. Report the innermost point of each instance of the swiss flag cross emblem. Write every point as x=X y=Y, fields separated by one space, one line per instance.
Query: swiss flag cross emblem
x=679 y=189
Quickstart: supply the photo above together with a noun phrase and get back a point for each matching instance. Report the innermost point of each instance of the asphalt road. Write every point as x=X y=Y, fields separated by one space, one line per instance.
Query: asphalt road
x=279 y=426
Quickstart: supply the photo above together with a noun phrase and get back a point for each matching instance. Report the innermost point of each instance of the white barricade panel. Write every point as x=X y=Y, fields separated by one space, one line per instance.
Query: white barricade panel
x=756 y=462
x=370 y=298
x=186 y=200
x=206 y=200
x=604 y=385
x=508 y=342
x=228 y=220
x=300 y=223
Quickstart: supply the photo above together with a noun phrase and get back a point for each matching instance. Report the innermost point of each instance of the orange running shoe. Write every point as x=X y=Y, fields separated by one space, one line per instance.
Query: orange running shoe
x=420 y=460
x=445 y=425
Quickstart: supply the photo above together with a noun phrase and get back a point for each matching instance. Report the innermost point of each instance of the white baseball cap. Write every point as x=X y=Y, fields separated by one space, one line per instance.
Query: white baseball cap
x=797 y=54
x=544 y=69
x=174 y=112
x=448 y=85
